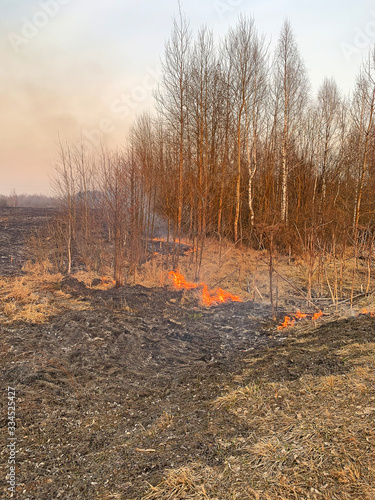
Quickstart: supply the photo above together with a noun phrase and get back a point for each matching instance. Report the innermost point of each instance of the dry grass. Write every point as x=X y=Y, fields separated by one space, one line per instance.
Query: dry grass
x=310 y=438
x=161 y=423
x=223 y=265
x=34 y=297
x=87 y=277
x=185 y=482
x=245 y=272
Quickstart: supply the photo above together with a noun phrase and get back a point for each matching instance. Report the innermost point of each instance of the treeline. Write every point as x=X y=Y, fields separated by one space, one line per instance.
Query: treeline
x=237 y=148
x=28 y=201
x=239 y=144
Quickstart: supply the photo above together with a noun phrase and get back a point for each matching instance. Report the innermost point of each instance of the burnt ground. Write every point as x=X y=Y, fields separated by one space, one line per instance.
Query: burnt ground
x=111 y=397
x=16 y=225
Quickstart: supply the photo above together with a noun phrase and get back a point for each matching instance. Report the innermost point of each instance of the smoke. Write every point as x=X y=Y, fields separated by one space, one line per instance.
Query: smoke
x=57 y=84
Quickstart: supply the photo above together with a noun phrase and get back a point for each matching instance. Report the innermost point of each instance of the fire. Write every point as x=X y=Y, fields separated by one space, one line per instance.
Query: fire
x=288 y=321
x=179 y=281
x=300 y=315
x=365 y=311
x=317 y=315
x=107 y=281
x=218 y=296
x=209 y=297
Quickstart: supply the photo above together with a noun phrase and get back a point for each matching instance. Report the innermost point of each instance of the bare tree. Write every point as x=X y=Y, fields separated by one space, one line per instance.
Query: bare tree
x=363 y=115
x=201 y=116
x=171 y=98
x=291 y=91
x=13 y=199
x=238 y=49
x=329 y=113
x=65 y=187
x=115 y=187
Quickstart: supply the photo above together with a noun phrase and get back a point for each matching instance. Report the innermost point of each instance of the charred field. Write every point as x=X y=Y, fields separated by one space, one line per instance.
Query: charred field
x=142 y=393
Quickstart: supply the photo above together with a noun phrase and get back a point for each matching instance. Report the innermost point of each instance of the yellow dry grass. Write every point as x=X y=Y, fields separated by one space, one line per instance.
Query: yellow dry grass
x=161 y=423
x=313 y=437
x=310 y=438
x=34 y=297
x=87 y=277
x=184 y=482
x=245 y=272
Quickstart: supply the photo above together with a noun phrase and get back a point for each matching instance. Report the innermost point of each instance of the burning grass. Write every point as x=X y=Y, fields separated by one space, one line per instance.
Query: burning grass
x=208 y=297
x=244 y=272
x=290 y=321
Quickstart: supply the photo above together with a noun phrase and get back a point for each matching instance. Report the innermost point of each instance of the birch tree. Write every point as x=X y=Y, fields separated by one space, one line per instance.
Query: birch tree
x=291 y=89
x=363 y=115
x=171 y=98
x=329 y=113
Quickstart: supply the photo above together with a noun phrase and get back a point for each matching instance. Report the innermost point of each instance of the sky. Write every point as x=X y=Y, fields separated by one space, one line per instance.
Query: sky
x=86 y=68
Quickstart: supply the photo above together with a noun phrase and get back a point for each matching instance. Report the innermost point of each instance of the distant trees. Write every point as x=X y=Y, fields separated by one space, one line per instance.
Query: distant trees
x=102 y=210
x=13 y=199
x=27 y=200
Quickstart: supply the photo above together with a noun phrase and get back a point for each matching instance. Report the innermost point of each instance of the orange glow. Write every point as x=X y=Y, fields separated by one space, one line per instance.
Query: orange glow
x=365 y=311
x=300 y=315
x=219 y=296
x=206 y=298
x=106 y=281
x=290 y=321
x=209 y=297
x=317 y=315
x=179 y=281
x=287 y=322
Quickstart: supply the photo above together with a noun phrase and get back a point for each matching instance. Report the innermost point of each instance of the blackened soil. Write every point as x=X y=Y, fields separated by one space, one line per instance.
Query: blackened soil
x=16 y=226
x=136 y=370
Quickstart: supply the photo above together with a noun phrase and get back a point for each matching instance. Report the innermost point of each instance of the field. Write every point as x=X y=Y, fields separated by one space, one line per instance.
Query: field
x=142 y=392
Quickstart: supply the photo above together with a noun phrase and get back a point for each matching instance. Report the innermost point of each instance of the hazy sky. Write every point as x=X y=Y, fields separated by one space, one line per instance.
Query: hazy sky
x=74 y=67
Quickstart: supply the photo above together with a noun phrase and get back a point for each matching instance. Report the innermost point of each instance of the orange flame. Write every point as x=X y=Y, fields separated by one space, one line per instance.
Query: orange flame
x=179 y=281
x=300 y=315
x=317 y=316
x=209 y=297
x=290 y=321
x=218 y=296
x=287 y=322
x=106 y=281
x=365 y=311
